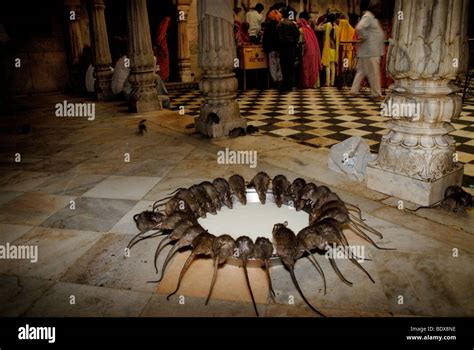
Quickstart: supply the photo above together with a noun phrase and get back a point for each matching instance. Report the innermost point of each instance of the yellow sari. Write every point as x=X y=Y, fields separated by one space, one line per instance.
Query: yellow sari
x=327 y=57
x=346 y=33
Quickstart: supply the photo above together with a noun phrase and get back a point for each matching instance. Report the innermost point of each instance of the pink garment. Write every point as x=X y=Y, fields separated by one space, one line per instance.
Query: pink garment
x=311 y=61
x=163 y=56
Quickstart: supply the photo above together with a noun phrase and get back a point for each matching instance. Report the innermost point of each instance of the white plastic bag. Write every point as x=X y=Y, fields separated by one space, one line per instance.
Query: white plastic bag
x=350 y=157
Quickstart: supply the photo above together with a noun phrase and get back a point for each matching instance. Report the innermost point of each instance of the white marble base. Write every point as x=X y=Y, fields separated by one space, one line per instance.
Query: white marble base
x=418 y=191
x=221 y=129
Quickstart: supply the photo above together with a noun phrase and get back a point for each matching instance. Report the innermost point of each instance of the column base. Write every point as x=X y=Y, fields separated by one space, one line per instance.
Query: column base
x=421 y=192
x=144 y=106
x=229 y=115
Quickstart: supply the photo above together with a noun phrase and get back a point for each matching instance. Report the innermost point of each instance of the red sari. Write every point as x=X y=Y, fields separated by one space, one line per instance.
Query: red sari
x=163 y=57
x=311 y=61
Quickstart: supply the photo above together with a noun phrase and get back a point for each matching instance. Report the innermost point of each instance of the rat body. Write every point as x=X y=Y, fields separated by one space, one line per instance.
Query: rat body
x=181 y=228
x=203 y=199
x=280 y=187
x=245 y=248
x=202 y=245
x=146 y=221
x=142 y=127
x=330 y=232
x=237 y=187
x=177 y=204
x=223 y=188
x=212 y=193
x=455 y=199
x=261 y=182
x=308 y=240
x=263 y=251
x=222 y=248
x=287 y=248
x=185 y=241
x=296 y=189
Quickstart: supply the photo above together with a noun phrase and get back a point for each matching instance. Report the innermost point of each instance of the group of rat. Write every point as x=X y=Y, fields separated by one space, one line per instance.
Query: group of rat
x=177 y=216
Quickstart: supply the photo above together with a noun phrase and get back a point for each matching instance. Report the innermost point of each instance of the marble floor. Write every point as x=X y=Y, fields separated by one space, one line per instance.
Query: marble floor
x=79 y=183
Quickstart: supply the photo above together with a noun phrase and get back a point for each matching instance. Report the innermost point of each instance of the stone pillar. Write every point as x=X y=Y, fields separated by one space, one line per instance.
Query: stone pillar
x=417 y=159
x=184 y=56
x=100 y=51
x=216 y=58
x=144 y=97
x=74 y=27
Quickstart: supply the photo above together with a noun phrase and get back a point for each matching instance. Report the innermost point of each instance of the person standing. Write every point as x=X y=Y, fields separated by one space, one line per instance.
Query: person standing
x=255 y=19
x=288 y=35
x=311 y=55
x=270 y=45
x=163 y=56
x=371 y=48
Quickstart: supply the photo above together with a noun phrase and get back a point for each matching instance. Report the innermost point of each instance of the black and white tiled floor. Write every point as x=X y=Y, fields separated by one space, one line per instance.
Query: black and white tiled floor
x=326 y=116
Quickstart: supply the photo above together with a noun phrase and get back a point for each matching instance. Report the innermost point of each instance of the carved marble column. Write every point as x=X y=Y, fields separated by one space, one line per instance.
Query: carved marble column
x=184 y=56
x=216 y=58
x=74 y=26
x=100 y=51
x=144 y=97
x=417 y=158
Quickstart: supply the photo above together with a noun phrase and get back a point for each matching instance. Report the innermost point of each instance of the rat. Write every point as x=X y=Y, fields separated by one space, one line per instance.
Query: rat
x=203 y=199
x=296 y=189
x=202 y=245
x=142 y=127
x=237 y=187
x=212 y=193
x=245 y=248
x=146 y=221
x=261 y=182
x=309 y=241
x=236 y=132
x=251 y=129
x=330 y=232
x=455 y=200
x=280 y=186
x=223 y=248
x=263 y=251
x=177 y=204
x=305 y=195
x=185 y=241
x=223 y=188
x=286 y=246
x=181 y=228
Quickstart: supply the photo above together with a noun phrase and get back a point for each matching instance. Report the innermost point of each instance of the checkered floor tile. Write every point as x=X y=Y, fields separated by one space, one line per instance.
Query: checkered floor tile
x=324 y=117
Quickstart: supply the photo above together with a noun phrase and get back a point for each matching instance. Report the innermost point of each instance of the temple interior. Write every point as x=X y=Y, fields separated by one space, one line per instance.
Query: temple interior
x=109 y=106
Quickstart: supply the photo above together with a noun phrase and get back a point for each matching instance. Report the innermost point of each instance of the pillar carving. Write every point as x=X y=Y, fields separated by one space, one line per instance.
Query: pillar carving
x=74 y=28
x=144 y=97
x=184 y=56
x=428 y=50
x=101 y=57
x=218 y=85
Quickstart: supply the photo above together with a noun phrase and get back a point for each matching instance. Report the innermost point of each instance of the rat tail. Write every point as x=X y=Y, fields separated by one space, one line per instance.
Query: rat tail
x=214 y=277
x=293 y=277
x=244 y=263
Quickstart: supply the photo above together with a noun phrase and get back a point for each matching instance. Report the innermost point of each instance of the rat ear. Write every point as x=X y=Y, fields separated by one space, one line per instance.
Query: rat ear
x=285 y=224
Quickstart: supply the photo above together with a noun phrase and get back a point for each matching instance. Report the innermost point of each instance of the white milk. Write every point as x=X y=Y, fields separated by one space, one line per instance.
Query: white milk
x=253 y=220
